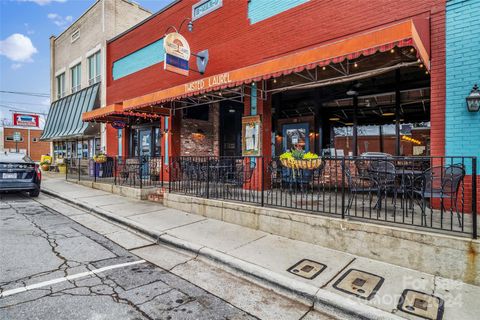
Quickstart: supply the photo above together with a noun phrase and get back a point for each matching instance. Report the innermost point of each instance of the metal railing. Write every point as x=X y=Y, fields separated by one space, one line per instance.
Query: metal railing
x=435 y=193
x=136 y=172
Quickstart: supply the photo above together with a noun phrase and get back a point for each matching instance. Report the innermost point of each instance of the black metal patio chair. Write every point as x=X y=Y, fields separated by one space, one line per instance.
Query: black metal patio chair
x=357 y=184
x=384 y=173
x=440 y=182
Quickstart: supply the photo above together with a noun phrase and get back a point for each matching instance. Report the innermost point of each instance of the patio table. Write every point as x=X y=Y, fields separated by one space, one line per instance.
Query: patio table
x=406 y=177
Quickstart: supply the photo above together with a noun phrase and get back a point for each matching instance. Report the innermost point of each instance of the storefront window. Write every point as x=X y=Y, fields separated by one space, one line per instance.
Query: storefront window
x=414 y=139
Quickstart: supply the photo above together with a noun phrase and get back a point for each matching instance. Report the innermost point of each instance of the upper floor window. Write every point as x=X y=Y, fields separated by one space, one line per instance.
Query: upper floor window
x=76 y=73
x=94 y=68
x=61 y=85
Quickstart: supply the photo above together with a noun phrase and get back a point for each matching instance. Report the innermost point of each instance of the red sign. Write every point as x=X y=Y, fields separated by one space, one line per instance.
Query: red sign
x=25 y=120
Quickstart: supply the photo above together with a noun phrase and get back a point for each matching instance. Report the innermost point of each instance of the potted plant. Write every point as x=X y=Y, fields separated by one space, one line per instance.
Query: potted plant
x=45 y=165
x=298 y=159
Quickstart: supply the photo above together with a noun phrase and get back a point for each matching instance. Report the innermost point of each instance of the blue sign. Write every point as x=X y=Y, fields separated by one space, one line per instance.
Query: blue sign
x=118 y=124
x=176 y=64
x=204 y=7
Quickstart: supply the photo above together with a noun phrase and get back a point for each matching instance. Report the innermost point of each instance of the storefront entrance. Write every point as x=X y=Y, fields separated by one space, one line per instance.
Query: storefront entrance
x=145 y=141
x=231 y=128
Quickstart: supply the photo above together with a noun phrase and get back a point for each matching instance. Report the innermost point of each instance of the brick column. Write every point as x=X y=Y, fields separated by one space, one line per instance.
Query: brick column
x=264 y=109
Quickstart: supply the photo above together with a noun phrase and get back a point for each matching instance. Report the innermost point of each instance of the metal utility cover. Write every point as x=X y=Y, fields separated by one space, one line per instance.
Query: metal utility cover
x=359 y=283
x=421 y=304
x=307 y=269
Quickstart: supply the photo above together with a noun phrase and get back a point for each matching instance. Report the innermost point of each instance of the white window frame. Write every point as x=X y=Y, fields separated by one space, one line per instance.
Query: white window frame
x=76 y=86
x=60 y=89
x=97 y=66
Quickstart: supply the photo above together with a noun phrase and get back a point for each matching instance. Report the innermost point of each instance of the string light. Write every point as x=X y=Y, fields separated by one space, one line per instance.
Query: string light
x=392 y=51
x=355 y=64
x=324 y=68
x=274 y=80
x=412 y=140
x=421 y=65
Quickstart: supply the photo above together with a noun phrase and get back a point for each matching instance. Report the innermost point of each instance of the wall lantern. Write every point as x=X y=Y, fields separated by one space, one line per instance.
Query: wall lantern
x=473 y=100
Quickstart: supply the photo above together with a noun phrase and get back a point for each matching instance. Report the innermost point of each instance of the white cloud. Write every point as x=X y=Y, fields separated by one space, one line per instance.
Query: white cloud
x=42 y=2
x=18 y=48
x=59 y=20
x=16 y=66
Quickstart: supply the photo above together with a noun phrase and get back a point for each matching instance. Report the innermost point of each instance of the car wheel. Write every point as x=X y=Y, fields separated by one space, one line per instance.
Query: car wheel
x=34 y=193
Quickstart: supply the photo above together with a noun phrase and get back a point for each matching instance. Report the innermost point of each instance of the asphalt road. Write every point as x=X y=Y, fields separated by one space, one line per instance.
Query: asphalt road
x=40 y=247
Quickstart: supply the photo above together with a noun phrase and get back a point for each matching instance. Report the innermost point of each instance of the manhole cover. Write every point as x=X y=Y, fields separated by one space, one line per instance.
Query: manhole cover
x=359 y=283
x=421 y=304
x=307 y=269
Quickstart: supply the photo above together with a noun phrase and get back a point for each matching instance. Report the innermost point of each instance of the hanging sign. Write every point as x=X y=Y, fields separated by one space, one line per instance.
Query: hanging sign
x=17 y=137
x=177 y=53
x=25 y=120
x=118 y=124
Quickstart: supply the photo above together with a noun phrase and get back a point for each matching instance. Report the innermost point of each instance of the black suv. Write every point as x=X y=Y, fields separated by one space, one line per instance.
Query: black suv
x=19 y=173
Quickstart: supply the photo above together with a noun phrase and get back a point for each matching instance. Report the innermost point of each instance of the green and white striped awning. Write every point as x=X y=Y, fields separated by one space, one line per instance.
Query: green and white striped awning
x=64 y=119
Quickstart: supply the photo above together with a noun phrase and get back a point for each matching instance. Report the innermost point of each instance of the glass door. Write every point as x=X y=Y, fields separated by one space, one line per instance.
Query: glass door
x=145 y=143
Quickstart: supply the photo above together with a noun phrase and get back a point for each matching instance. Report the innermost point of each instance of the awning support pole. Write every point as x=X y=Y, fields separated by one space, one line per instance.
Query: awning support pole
x=397 y=112
x=355 y=125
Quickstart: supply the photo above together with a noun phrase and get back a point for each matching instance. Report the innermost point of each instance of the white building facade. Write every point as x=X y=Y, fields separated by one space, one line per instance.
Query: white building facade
x=77 y=76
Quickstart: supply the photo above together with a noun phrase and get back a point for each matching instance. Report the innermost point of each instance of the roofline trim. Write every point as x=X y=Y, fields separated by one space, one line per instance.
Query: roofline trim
x=144 y=21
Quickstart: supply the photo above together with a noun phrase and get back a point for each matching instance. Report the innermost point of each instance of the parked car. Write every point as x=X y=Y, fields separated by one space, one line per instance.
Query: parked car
x=19 y=173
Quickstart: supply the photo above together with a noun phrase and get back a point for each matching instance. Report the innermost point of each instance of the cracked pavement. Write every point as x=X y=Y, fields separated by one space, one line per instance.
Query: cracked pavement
x=39 y=244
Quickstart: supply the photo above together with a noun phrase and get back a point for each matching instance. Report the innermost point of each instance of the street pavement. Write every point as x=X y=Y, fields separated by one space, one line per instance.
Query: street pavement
x=52 y=267
x=259 y=257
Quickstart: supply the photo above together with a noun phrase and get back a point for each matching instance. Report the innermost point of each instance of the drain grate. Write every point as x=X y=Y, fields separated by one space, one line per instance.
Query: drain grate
x=307 y=269
x=359 y=283
x=421 y=304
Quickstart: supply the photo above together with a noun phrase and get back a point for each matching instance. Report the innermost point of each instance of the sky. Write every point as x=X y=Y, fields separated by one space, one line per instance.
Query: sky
x=25 y=29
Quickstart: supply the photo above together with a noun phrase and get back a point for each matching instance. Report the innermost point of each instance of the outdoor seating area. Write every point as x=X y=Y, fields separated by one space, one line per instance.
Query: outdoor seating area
x=420 y=192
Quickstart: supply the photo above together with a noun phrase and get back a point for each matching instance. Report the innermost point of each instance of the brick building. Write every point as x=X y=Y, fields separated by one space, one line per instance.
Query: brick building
x=29 y=144
x=315 y=73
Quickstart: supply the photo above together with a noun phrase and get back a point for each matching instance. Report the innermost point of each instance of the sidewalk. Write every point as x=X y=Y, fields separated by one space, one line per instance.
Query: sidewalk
x=377 y=287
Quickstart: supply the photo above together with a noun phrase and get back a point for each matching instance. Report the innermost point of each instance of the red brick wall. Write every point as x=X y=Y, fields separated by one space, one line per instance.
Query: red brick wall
x=37 y=149
x=437 y=78
x=234 y=43
x=194 y=143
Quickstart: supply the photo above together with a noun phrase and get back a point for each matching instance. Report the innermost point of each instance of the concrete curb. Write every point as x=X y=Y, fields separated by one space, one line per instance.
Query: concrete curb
x=321 y=299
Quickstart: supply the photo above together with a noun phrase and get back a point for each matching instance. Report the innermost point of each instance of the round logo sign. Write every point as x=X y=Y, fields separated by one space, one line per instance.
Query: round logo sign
x=176 y=45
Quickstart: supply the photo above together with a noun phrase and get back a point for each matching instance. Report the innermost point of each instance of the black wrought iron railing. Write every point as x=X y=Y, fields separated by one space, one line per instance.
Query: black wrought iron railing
x=137 y=172
x=434 y=193
x=437 y=193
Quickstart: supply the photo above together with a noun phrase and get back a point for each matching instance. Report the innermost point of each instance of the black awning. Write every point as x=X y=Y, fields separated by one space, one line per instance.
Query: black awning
x=64 y=120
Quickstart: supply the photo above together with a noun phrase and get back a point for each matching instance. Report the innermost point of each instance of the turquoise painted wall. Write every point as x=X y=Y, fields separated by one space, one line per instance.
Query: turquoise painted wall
x=259 y=10
x=138 y=60
x=462 y=128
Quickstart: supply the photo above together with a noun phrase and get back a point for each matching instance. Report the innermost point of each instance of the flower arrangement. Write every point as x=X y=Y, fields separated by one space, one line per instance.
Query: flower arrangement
x=298 y=159
x=45 y=164
x=100 y=158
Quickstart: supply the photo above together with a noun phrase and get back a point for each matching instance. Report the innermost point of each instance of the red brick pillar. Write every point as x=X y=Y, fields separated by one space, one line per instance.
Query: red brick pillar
x=264 y=109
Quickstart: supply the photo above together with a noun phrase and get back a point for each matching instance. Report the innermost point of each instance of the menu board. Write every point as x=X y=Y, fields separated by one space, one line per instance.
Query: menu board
x=251 y=136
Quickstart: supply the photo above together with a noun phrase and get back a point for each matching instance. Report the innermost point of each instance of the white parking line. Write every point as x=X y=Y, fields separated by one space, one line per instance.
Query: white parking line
x=67 y=278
